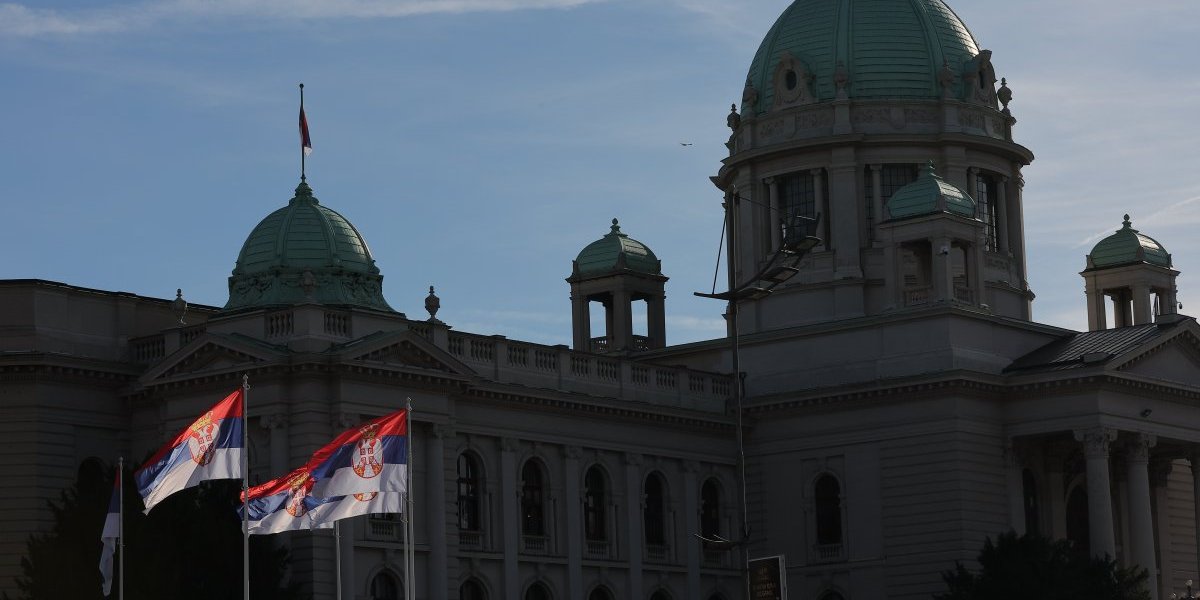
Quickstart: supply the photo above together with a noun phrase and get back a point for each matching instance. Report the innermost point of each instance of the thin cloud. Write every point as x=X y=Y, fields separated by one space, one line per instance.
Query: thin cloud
x=20 y=20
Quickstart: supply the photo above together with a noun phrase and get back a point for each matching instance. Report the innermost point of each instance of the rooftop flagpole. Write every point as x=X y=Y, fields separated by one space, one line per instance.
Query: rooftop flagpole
x=245 y=489
x=305 y=140
x=410 y=558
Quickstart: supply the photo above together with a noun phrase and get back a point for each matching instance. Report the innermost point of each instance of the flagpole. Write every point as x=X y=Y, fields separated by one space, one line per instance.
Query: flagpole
x=302 y=176
x=337 y=556
x=121 y=528
x=410 y=555
x=246 y=486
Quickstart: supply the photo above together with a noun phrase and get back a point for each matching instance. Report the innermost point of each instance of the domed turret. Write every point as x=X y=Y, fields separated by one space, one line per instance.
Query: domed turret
x=929 y=194
x=616 y=251
x=1128 y=246
x=617 y=271
x=305 y=252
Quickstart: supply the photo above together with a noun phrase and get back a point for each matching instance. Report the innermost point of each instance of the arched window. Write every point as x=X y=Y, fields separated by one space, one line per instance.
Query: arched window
x=600 y=593
x=471 y=589
x=828 y=495
x=537 y=591
x=710 y=509
x=660 y=595
x=595 y=498
x=533 y=495
x=1029 y=485
x=385 y=587
x=654 y=515
x=470 y=490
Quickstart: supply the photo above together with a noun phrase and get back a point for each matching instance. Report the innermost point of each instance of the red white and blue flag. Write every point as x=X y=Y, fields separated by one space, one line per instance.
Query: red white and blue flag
x=209 y=448
x=110 y=535
x=305 y=140
x=287 y=504
x=371 y=457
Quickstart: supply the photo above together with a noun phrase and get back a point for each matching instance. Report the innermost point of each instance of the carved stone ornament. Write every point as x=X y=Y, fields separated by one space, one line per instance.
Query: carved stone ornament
x=308 y=283
x=946 y=79
x=841 y=79
x=432 y=304
x=734 y=120
x=274 y=421
x=509 y=444
x=979 y=80
x=1096 y=441
x=1004 y=95
x=573 y=452
x=749 y=97
x=1138 y=449
x=793 y=82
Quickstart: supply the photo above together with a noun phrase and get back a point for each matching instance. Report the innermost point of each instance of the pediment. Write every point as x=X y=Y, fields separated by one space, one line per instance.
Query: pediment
x=406 y=350
x=1173 y=358
x=209 y=355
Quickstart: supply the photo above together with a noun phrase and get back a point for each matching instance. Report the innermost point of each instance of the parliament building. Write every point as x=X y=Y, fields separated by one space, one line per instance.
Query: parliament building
x=900 y=405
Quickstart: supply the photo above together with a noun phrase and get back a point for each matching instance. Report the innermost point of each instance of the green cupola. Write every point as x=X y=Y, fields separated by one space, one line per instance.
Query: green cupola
x=305 y=253
x=615 y=252
x=1126 y=247
x=930 y=194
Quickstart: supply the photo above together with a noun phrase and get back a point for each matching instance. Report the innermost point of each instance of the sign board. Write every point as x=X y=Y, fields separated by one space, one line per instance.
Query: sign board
x=767 y=578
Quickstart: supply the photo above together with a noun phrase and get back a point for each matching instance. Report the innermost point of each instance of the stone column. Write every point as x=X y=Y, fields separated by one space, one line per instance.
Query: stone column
x=1142 y=311
x=1160 y=473
x=844 y=228
x=1058 y=502
x=823 y=229
x=1002 y=241
x=1016 y=488
x=775 y=214
x=621 y=334
x=876 y=200
x=574 y=505
x=1195 y=460
x=656 y=322
x=435 y=486
x=633 y=506
x=511 y=511
x=1141 y=521
x=1099 y=490
x=1097 y=318
x=581 y=318
x=943 y=275
x=691 y=515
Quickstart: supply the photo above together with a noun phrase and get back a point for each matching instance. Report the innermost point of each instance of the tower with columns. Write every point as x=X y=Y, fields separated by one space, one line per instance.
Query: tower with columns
x=1133 y=271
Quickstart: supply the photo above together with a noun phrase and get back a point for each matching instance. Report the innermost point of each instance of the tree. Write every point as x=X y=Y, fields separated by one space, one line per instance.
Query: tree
x=1033 y=567
x=188 y=547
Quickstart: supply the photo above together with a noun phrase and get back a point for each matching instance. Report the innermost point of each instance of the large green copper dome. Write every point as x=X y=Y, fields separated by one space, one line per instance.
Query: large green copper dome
x=616 y=251
x=893 y=49
x=1128 y=246
x=305 y=252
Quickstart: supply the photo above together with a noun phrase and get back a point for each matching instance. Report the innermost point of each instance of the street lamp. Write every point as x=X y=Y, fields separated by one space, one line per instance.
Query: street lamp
x=797 y=240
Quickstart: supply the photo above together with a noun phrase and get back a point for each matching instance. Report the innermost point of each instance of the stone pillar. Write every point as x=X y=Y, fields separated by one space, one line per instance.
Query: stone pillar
x=656 y=321
x=876 y=200
x=511 y=510
x=435 y=486
x=1097 y=318
x=943 y=275
x=1195 y=460
x=823 y=229
x=574 y=505
x=691 y=515
x=1002 y=241
x=1141 y=521
x=1142 y=311
x=621 y=334
x=1016 y=488
x=581 y=321
x=775 y=214
x=277 y=427
x=1099 y=490
x=843 y=227
x=1160 y=473
x=634 y=537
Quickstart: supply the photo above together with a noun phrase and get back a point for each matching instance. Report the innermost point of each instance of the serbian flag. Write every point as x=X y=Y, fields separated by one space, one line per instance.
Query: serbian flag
x=356 y=505
x=305 y=141
x=371 y=457
x=109 y=536
x=282 y=504
x=209 y=448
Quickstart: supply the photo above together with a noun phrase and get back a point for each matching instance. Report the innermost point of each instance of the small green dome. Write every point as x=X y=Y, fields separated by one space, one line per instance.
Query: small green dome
x=616 y=252
x=305 y=252
x=929 y=194
x=1127 y=246
x=891 y=49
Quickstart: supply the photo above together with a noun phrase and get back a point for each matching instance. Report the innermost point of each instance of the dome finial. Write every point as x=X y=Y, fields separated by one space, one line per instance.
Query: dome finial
x=615 y=228
x=1128 y=224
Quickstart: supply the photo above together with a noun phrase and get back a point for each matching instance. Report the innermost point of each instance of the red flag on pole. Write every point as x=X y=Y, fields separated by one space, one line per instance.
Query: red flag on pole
x=305 y=141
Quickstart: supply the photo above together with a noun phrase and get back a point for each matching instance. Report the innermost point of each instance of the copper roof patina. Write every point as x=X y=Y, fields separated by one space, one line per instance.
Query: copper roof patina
x=1126 y=247
x=614 y=252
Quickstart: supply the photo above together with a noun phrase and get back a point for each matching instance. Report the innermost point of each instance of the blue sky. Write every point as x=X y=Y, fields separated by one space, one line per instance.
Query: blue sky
x=478 y=145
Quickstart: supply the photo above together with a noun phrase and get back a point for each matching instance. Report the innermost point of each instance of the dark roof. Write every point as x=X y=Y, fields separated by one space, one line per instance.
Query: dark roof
x=1089 y=347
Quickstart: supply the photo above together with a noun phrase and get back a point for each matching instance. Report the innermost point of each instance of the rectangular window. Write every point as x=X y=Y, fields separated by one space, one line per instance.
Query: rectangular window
x=891 y=179
x=798 y=201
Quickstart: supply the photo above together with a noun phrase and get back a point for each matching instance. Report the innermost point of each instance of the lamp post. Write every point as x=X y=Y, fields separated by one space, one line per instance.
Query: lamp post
x=781 y=266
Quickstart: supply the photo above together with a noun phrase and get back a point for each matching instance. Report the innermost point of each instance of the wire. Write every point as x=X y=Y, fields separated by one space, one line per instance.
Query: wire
x=720 y=247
